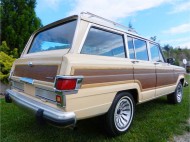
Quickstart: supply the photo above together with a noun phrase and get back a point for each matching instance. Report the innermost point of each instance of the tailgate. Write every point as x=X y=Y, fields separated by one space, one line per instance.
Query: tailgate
x=35 y=76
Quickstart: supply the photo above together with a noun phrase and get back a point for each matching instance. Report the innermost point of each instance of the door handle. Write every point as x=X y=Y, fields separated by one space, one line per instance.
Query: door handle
x=156 y=63
x=135 y=62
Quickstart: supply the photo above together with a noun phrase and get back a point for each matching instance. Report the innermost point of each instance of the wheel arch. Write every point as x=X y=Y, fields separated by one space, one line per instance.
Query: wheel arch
x=134 y=92
x=182 y=81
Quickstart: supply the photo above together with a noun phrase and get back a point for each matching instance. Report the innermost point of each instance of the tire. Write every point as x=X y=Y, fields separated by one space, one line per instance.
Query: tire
x=120 y=115
x=176 y=97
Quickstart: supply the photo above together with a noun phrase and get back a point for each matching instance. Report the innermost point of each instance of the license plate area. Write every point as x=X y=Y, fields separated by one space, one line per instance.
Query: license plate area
x=47 y=95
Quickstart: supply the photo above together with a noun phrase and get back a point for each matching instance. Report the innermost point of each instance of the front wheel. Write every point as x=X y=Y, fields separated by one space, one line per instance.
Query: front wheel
x=177 y=96
x=120 y=115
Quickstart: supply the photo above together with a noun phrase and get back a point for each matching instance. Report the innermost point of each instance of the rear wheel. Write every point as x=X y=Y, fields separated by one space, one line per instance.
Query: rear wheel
x=177 y=96
x=120 y=115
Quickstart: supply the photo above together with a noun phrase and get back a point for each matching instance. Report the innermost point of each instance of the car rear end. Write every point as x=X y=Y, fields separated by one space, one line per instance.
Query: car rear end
x=38 y=76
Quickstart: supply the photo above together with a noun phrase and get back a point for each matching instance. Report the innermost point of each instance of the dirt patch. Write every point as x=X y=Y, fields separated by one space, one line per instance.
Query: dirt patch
x=1 y=96
x=185 y=137
x=3 y=87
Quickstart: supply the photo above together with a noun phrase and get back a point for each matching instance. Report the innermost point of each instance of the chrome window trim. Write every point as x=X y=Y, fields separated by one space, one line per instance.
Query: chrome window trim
x=134 y=48
x=148 y=49
x=126 y=46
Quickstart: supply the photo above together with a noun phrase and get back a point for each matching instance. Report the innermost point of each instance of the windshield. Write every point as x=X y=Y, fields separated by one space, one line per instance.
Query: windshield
x=59 y=37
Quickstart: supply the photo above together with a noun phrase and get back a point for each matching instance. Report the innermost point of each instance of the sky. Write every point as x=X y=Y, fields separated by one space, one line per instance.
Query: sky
x=168 y=20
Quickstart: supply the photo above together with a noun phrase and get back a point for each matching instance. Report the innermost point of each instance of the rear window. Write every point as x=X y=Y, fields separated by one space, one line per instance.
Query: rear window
x=137 y=49
x=56 y=38
x=141 y=49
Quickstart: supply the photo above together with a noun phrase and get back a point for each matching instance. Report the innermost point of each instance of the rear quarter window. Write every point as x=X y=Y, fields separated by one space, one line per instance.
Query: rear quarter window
x=103 y=43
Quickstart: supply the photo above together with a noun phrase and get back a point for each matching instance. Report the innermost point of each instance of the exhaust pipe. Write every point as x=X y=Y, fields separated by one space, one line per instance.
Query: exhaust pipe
x=8 y=98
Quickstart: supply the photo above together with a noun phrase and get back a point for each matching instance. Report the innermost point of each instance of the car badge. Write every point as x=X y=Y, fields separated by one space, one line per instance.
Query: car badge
x=30 y=64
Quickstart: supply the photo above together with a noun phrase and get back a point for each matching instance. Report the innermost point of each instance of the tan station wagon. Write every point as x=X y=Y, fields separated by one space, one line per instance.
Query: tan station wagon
x=84 y=66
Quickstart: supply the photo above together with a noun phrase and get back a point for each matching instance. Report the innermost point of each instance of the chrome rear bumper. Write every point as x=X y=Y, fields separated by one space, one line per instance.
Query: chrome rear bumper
x=51 y=114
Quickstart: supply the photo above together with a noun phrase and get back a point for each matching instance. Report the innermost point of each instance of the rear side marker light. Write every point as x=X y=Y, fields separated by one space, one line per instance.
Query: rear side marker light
x=58 y=99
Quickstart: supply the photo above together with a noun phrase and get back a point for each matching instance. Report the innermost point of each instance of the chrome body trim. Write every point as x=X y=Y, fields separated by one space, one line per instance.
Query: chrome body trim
x=27 y=80
x=49 y=113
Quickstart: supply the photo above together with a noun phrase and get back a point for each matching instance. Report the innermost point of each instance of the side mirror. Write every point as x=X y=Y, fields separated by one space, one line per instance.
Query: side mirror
x=171 y=61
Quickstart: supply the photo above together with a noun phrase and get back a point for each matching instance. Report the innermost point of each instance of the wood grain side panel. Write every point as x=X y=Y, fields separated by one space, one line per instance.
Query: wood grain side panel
x=165 y=77
x=92 y=76
x=146 y=77
x=38 y=72
x=99 y=72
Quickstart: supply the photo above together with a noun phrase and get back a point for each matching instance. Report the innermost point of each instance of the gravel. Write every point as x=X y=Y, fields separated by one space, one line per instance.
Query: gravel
x=183 y=138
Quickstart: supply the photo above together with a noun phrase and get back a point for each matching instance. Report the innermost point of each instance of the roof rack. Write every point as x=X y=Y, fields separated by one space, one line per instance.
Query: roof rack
x=114 y=23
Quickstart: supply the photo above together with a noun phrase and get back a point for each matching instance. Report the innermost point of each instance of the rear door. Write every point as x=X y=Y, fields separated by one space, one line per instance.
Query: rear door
x=144 y=70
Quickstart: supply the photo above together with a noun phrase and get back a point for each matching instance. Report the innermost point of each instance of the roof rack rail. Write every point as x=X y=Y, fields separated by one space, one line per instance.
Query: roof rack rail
x=114 y=23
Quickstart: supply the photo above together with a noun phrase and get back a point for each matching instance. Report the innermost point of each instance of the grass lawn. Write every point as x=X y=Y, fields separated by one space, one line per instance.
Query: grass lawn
x=154 y=121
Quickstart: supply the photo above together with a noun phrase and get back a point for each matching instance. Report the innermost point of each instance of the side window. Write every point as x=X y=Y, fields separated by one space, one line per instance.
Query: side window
x=131 y=47
x=141 y=49
x=155 y=53
x=103 y=43
x=160 y=55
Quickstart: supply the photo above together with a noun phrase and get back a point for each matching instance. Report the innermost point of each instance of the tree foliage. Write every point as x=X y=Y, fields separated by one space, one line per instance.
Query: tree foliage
x=19 y=21
x=177 y=53
x=6 y=61
x=153 y=38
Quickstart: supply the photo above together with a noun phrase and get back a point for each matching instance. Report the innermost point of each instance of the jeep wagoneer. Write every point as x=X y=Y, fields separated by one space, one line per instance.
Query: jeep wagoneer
x=84 y=66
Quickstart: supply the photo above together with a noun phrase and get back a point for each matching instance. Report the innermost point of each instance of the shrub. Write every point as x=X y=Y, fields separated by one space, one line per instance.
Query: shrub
x=6 y=61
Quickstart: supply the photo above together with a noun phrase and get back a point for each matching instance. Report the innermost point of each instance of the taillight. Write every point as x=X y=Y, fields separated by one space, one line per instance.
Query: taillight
x=68 y=83
x=65 y=84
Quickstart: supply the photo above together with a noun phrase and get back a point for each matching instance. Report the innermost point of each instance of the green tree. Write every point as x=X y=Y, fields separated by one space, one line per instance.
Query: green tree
x=4 y=47
x=18 y=21
x=167 y=48
x=130 y=25
x=153 y=38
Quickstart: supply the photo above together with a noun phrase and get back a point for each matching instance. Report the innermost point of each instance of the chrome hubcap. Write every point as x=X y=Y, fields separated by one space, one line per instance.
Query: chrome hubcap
x=123 y=113
x=179 y=93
